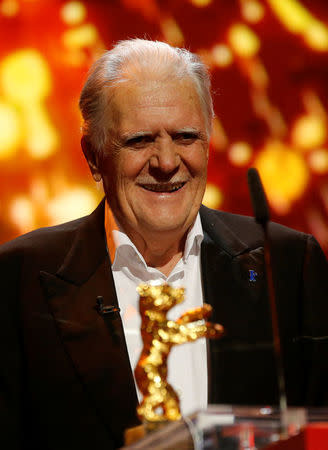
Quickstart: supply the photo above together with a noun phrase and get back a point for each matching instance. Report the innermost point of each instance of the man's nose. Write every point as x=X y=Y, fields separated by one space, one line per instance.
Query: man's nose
x=165 y=157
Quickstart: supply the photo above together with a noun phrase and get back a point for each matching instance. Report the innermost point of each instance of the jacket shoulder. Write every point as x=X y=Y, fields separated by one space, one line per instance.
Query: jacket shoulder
x=249 y=231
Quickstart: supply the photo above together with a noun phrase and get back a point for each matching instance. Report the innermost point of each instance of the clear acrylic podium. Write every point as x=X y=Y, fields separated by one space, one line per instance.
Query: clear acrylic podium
x=241 y=428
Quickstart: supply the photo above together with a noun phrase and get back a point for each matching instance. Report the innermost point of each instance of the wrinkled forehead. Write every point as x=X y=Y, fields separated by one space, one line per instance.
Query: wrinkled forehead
x=132 y=100
x=143 y=88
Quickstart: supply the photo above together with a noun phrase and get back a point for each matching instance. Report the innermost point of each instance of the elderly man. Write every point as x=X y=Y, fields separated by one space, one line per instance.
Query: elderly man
x=69 y=330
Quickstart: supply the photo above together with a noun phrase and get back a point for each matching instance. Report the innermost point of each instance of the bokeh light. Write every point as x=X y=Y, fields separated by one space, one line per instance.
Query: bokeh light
x=309 y=131
x=222 y=55
x=84 y=36
x=71 y=203
x=284 y=172
x=299 y=20
x=212 y=197
x=26 y=81
x=243 y=40
x=201 y=3
x=240 y=153
x=21 y=214
x=318 y=161
x=41 y=137
x=25 y=77
x=9 y=8
x=73 y=13
x=10 y=130
x=252 y=10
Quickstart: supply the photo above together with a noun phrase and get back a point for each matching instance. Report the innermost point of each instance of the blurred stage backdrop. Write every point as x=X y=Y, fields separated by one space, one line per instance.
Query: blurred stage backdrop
x=269 y=66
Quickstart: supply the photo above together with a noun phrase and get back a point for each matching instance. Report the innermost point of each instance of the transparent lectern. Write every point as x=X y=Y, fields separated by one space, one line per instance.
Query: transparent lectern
x=241 y=428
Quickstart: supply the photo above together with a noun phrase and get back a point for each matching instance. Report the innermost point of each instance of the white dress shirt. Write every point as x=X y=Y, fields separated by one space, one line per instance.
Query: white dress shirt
x=187 y=363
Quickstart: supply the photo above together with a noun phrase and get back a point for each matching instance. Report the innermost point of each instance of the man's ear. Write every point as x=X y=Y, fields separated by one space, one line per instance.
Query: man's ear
x=91 y=157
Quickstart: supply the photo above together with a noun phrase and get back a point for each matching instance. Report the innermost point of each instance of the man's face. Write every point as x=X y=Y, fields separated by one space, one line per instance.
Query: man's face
x=154 y=171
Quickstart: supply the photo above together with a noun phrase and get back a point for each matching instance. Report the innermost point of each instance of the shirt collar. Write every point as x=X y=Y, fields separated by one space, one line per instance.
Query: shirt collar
x=195 y=237
x=118 y=241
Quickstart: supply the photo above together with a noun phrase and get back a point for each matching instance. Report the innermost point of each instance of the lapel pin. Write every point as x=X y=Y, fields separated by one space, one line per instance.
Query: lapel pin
x=252 y=275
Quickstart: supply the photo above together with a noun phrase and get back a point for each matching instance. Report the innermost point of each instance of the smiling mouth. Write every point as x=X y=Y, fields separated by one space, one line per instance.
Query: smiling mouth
x=163 y=187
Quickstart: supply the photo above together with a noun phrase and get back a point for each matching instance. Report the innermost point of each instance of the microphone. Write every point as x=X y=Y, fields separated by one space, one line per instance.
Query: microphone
x=258 y=197
x=102 y=310
x=262 y=216
x=110 y=314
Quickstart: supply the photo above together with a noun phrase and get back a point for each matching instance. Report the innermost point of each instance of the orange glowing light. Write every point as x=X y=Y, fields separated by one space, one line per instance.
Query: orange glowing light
x=318 y=161
x=41 y=138
x=172 y=32
x=219 y=138
x=257 y=73
x=26 y=81
x=213 y=196
x=9 y=8
x=316 y=36
x=309 y=131
x=265 y=109
x=70 y=204
x=299 y=20
x=243 y=40
x=284 y=173
x=240 y=153
x=84 y=36
x=10 y=130
x=252 y=10
x=201 y=3
x=21 y=213
x=292 y=13
x=39 y=190
x=24 y=76
x=73 y=13
x=222 y=55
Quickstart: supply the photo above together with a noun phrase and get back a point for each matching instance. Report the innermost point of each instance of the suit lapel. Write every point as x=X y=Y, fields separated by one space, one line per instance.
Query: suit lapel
x=234 y=284
x=94 y=342
x=233 y=274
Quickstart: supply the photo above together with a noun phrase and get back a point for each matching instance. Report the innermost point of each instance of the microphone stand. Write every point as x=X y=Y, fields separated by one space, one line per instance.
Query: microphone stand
x=261 y=212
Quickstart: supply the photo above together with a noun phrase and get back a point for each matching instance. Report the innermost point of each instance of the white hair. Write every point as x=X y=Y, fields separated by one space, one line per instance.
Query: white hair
x=132 y=60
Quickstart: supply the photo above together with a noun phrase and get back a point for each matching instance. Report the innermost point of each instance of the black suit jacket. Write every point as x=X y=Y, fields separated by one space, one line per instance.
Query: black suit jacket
x=65 y=378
